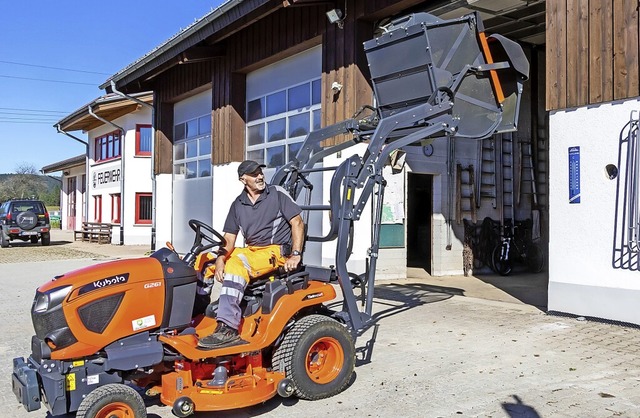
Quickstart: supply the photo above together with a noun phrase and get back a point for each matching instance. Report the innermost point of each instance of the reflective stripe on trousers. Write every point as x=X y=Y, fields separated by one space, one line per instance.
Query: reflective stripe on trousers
x=243 y=265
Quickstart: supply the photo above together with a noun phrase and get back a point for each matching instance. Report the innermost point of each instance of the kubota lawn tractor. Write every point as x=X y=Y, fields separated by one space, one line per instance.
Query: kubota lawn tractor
x=105 y=329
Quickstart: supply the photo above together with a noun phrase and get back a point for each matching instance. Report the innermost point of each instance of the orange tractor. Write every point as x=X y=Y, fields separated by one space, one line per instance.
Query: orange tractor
x=107 y=333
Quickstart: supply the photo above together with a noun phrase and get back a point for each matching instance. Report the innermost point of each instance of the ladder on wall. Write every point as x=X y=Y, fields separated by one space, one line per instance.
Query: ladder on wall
x=486 y=181
x=506 y=183
x=466 y=195
x=496 y=182
x=527 y=184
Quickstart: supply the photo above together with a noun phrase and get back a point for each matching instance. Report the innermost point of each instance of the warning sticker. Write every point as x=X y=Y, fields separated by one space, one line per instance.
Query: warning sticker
x=141 y=323
x=70 y=382
x=93 y=379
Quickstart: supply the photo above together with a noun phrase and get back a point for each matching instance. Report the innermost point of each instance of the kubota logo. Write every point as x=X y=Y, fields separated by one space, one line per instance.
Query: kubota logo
x=152 y=285
x=313 y=296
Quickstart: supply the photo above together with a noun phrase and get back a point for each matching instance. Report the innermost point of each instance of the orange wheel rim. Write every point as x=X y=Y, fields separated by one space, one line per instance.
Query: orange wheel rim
x=116 y=410
x=324 y=360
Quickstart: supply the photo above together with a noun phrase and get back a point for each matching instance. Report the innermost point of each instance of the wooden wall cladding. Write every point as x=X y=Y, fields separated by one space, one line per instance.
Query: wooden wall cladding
x=592 y=52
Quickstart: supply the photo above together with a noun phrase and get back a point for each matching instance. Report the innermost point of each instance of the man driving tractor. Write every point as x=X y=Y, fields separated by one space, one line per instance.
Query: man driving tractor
x=273 y=229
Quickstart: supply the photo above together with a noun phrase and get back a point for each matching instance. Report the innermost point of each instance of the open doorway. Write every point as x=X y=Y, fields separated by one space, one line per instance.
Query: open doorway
x=419 y=215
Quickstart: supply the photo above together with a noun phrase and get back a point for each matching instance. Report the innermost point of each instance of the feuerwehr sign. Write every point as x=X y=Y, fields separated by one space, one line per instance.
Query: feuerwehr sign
x=105 y=178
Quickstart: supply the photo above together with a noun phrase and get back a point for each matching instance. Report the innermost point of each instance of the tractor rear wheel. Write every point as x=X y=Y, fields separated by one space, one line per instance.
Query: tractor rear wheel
x=112 y=401
x=318 y=355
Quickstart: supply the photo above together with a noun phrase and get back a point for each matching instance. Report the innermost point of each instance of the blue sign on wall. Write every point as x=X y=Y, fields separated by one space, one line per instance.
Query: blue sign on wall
x=574 y=175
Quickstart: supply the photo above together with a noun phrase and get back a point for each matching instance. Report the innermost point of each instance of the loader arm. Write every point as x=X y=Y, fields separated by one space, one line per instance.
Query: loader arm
x=431 y=78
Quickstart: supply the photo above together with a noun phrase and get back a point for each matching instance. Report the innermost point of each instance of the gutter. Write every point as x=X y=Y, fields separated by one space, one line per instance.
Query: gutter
x=122 y=155
x=153 y=157
x=86 y=169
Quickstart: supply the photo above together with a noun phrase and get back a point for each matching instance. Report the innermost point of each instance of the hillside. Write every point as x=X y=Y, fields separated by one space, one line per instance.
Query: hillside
x=46 y=188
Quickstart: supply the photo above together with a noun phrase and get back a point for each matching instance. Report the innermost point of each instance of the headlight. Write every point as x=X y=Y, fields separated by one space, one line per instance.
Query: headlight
x=50 y=299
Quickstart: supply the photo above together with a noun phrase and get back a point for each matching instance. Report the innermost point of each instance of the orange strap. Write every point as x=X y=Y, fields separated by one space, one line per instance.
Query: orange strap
x=497 y=87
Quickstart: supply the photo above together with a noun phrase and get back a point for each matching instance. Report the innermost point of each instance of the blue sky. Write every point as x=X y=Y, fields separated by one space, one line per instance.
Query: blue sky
x=95 y=38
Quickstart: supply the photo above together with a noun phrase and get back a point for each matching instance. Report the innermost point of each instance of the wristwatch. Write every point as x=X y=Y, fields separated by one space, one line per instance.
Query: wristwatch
x=296 y=252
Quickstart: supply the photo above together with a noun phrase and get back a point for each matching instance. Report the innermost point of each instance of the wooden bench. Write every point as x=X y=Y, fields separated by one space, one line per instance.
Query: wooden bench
x=94 y=232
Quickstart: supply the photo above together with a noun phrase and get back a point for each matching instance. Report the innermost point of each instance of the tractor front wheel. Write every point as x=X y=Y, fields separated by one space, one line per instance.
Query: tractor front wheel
x=112 y=401
x=318 y=355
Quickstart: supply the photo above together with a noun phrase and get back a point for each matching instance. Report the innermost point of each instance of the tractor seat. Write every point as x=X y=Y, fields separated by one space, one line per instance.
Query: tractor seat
x=264 y=291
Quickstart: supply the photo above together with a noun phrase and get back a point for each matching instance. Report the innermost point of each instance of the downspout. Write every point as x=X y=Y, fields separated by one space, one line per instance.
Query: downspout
x=86 y=168
x=153 y=157
x=122 y=155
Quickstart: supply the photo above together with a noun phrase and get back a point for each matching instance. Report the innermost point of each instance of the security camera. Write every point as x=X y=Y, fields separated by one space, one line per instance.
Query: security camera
x=336 y=87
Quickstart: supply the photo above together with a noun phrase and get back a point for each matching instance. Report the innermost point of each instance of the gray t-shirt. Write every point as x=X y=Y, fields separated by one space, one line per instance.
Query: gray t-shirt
x=265 y=222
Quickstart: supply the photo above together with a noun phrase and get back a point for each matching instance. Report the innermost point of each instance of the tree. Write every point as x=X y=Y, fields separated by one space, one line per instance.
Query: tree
x=26 y=183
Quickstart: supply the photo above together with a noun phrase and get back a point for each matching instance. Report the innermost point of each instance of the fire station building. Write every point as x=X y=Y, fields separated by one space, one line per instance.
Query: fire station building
x=251 y=78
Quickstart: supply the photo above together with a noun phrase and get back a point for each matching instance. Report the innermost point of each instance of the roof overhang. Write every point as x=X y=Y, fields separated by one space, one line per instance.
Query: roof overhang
x=229 y=15
x=109 y=107
x=518 y=20
x=72 y=162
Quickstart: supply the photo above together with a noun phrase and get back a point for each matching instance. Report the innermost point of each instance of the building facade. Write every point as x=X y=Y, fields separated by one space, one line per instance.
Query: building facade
x=119 y=135
x=259 y=75
x=72 y=190
x=592 y=97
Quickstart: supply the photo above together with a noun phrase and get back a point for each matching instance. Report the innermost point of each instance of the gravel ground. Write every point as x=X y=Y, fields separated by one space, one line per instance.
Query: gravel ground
x=63 y=247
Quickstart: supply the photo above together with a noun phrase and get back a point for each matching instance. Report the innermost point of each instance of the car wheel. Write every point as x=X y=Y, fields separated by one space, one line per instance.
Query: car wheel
x=27 y=220
x=113 y=400
x=318 y=355
x=46 y=239
x=4 y=240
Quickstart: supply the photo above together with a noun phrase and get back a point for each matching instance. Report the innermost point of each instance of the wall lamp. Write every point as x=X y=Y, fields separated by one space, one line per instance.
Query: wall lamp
x=336 y=16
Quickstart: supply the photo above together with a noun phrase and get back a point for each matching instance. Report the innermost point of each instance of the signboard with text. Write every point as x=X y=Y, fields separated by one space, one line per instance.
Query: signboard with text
x=105 y=178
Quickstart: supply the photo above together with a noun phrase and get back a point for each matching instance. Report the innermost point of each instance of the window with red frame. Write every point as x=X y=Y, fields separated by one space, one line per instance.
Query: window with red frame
x=144 y=208
x=97 y=208
x=107 y=146
x=115 y=208
x=143 y=139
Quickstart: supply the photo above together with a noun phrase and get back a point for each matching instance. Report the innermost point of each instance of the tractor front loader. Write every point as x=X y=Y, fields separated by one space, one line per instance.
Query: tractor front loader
x=107 y=334
x=431 y=78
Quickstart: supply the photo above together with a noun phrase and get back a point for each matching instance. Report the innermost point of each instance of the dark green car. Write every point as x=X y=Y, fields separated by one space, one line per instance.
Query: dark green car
x=25 y=220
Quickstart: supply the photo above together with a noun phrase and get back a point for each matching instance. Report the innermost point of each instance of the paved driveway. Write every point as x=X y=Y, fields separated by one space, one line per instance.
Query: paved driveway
x=434 y=353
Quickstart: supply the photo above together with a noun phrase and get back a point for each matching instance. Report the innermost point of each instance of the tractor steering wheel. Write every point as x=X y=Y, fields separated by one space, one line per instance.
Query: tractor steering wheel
x=210 y=235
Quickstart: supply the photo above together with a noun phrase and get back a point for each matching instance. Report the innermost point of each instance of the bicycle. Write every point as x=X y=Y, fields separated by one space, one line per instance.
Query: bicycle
x=516 y=245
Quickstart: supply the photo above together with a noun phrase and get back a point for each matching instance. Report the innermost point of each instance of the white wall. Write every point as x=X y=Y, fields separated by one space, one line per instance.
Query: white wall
x=164 y=209
x=582 y=279
x=137 y=171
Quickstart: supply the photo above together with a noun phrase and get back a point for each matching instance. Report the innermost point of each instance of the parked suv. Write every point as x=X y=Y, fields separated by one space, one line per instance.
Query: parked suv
x=26 y=220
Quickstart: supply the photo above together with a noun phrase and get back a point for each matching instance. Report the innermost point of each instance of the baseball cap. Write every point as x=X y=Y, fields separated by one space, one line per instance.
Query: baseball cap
x=248 y=167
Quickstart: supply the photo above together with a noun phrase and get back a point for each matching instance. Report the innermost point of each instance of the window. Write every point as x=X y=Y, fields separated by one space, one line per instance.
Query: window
x=143 y=139
x=115 y=208
x=278 y=122
x=107 y=147
x=144 y=209
x=97 y=208
x=192 y=149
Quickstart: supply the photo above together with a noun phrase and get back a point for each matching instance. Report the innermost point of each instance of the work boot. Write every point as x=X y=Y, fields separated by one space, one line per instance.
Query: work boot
x=224 y=335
